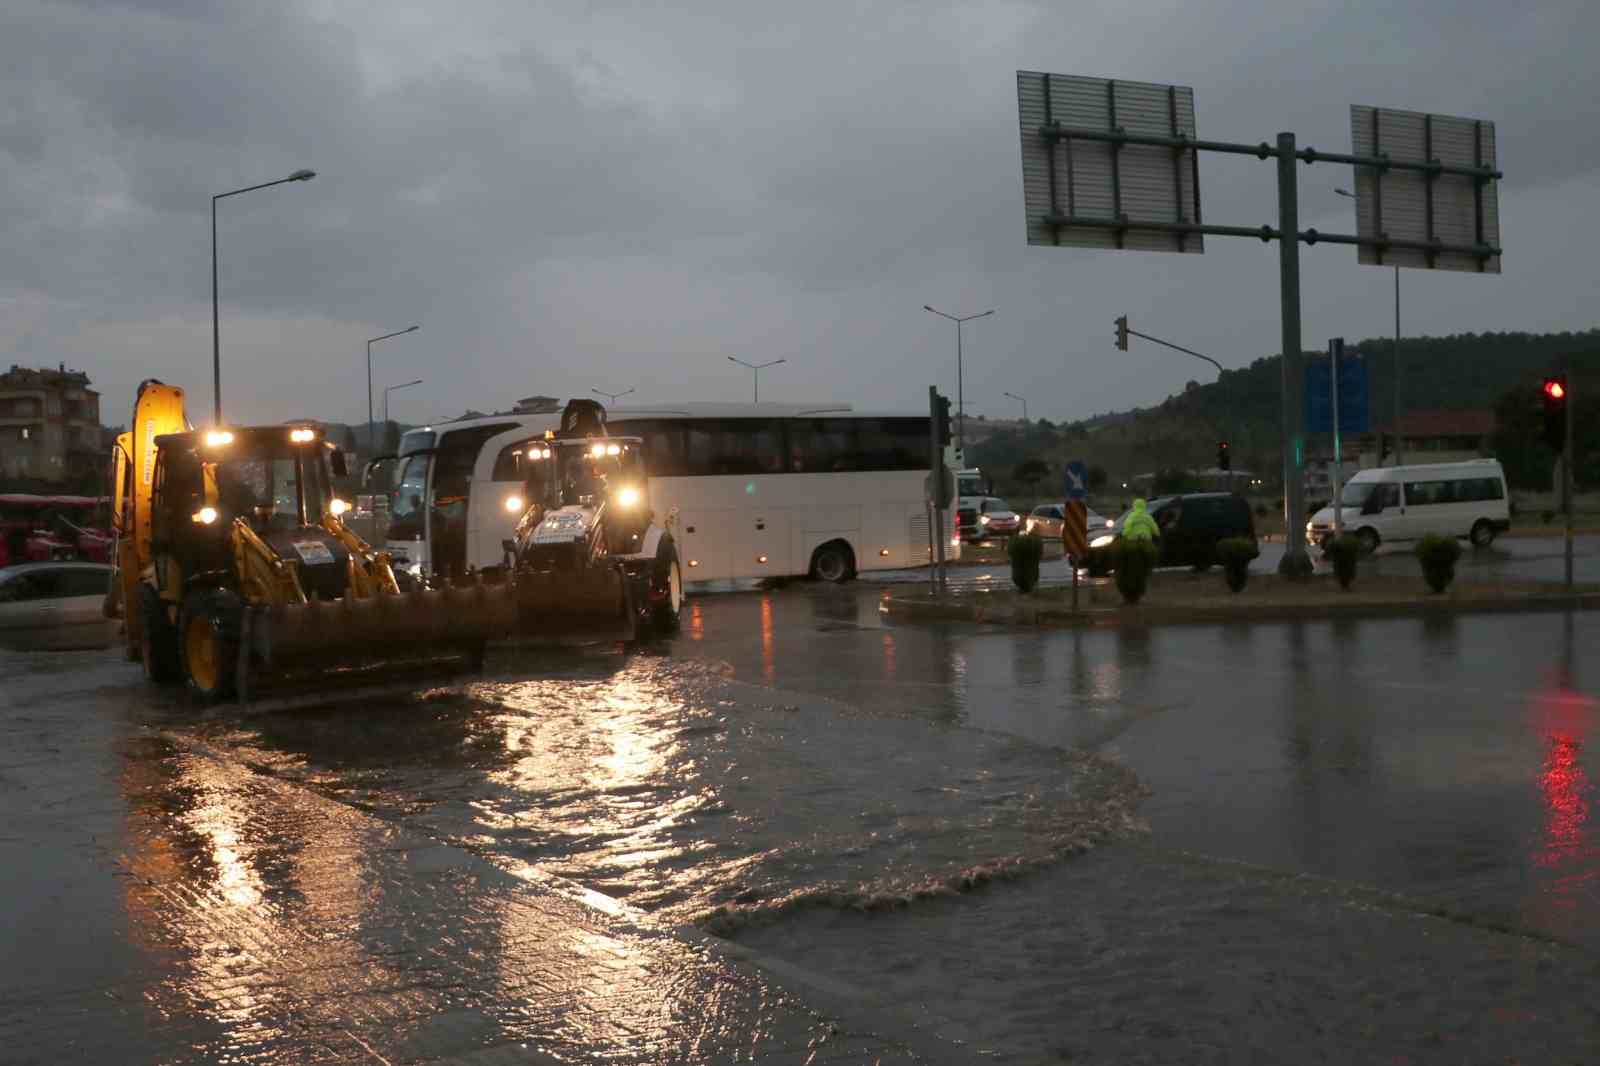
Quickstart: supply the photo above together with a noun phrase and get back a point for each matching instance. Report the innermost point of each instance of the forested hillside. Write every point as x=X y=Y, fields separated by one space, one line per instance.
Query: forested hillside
x=1467 y=371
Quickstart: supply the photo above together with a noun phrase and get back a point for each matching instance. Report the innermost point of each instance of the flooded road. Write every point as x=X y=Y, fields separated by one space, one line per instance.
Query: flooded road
x=938 y=841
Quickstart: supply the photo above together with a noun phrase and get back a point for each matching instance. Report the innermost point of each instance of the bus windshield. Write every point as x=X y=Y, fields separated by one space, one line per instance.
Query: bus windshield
x=406 y=507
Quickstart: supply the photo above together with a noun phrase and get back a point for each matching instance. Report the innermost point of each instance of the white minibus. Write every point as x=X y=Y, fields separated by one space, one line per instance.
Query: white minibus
x=1400 y=503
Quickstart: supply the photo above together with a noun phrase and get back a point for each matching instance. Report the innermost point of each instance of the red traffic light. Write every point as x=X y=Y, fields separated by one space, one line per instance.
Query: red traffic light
x=1554 y=389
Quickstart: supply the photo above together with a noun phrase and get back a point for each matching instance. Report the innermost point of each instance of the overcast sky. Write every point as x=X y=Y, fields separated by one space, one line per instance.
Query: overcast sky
x=576 y=195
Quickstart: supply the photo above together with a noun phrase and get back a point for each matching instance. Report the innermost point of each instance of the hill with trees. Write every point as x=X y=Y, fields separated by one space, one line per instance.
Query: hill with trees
x=1470 y=371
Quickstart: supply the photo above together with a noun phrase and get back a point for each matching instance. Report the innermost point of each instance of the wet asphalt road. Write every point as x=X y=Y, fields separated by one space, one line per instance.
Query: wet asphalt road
x=535 y=838
x=1445 y=759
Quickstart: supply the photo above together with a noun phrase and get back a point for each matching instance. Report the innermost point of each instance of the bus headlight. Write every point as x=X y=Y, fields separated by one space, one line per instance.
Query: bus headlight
x=337 y=506
x=597 y=450
x=514 y=504
x=612 y=449
x=627 y=496
x=216 y=438
x=205 y=516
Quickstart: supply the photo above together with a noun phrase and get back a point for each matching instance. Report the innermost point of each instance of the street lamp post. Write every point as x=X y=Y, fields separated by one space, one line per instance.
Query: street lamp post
x=1024 y=404
x=961 y=405
x=372 y=437
x=387 y=390
x=216 y=332
x=1397 y=438
x=611 y=397
x=757 y=368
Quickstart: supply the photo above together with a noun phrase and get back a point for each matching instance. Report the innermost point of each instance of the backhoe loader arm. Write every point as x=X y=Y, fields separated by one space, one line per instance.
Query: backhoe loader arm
x=371 y=572
x=264 y=576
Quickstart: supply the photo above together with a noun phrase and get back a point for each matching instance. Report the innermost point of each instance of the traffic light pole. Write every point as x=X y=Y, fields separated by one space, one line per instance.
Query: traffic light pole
x=1566 y=473
x=936 y=478
x=1335 y=354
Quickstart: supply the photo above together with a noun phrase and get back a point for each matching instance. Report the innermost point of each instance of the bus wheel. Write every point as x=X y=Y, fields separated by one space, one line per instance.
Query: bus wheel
x=1368 y=537
x=1482 y=533
x=833 y=561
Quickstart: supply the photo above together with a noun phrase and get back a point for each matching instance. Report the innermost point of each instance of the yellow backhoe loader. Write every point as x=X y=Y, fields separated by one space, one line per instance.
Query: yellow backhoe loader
x=234 y=569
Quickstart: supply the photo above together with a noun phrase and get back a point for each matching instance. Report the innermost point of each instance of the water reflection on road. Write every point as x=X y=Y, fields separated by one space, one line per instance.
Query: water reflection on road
x=1444 y=756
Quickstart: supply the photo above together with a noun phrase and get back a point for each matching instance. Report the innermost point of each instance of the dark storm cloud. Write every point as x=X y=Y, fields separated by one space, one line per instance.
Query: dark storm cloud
x=561 y=193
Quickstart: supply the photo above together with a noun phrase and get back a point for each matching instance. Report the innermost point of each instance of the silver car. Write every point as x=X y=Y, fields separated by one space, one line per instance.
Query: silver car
x=55 y=606
x=1047 y=518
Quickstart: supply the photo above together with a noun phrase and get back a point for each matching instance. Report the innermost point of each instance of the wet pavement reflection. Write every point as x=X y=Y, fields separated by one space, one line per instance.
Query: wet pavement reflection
x=533 y=857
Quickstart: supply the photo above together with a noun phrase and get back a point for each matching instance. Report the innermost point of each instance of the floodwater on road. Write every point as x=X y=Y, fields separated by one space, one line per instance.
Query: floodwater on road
x=684 y=792
x=791 y=766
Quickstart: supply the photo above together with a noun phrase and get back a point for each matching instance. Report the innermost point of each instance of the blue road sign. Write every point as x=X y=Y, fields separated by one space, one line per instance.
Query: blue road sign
x=1075 y=485
x=1355 y=412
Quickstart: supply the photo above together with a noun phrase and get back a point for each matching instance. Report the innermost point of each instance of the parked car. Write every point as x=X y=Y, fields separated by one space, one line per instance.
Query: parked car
x=993 y=517
x=1047 y=519
x=51 y=606
x=1467 y=499
x=1191 y=526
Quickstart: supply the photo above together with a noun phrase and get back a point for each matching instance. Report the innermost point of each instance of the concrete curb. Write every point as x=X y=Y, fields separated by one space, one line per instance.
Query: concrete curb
x=990 y=609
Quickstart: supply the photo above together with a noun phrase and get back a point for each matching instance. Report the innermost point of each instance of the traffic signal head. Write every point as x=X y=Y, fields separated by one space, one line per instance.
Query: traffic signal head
x=941 y=418
x=1224 y=459
x=1122 y=332
x=1554 y=391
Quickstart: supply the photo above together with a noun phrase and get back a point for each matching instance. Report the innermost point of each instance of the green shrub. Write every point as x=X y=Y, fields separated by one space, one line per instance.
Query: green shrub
x=1101 y=560
x=1025 y=551
x=1343 y=551
x=1135 y=559
x=1438 y=556
x=1235 y=554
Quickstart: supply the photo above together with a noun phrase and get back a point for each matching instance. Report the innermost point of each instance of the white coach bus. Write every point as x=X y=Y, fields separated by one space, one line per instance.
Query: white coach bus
x=457 y=493
x=776 y=490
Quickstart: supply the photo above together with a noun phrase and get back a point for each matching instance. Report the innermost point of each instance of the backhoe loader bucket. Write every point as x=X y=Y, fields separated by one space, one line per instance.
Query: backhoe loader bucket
x=584 y=604
x=427 y=634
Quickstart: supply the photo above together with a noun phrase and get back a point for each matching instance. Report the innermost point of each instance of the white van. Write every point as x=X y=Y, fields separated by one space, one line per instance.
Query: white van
x=1408 y=502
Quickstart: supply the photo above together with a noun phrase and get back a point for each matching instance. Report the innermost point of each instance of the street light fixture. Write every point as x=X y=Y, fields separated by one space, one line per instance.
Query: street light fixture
x=1023 y=402
x=372 y=437
x=758 y=368
x=1397 y=448
x=611 y=397
x=387 y=390
x=961 y=406
x=216 y=333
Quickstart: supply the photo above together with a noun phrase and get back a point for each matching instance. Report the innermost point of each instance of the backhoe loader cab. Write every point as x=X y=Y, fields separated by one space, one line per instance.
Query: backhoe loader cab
x=275 y=480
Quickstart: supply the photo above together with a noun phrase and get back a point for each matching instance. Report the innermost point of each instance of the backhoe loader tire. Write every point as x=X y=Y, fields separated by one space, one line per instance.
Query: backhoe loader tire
x=208 y=640
x=158 y=649
x=666 y=589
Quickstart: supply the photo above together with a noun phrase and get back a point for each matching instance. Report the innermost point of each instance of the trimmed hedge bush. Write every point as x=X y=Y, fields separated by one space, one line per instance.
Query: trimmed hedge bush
x=1135 y=559
x=1025 y=552
x=1235 y=554
x=1438 y=556
x=1343 y=551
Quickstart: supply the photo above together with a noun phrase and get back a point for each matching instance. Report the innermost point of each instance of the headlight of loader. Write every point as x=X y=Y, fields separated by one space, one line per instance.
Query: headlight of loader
x=627 y=496
x=338 y=506
x=514 y=504
x=205 y=516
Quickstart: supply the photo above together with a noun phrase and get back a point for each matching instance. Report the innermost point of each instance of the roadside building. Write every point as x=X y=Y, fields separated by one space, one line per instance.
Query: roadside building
x=1425 y=437
x=49 y=425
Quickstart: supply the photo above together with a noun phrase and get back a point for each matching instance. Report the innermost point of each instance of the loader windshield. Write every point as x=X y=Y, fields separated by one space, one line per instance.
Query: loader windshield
x=273 y=489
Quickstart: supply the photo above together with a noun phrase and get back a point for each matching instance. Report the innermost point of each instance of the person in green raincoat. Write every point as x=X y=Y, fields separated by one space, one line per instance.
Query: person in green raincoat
x=1139 y=525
